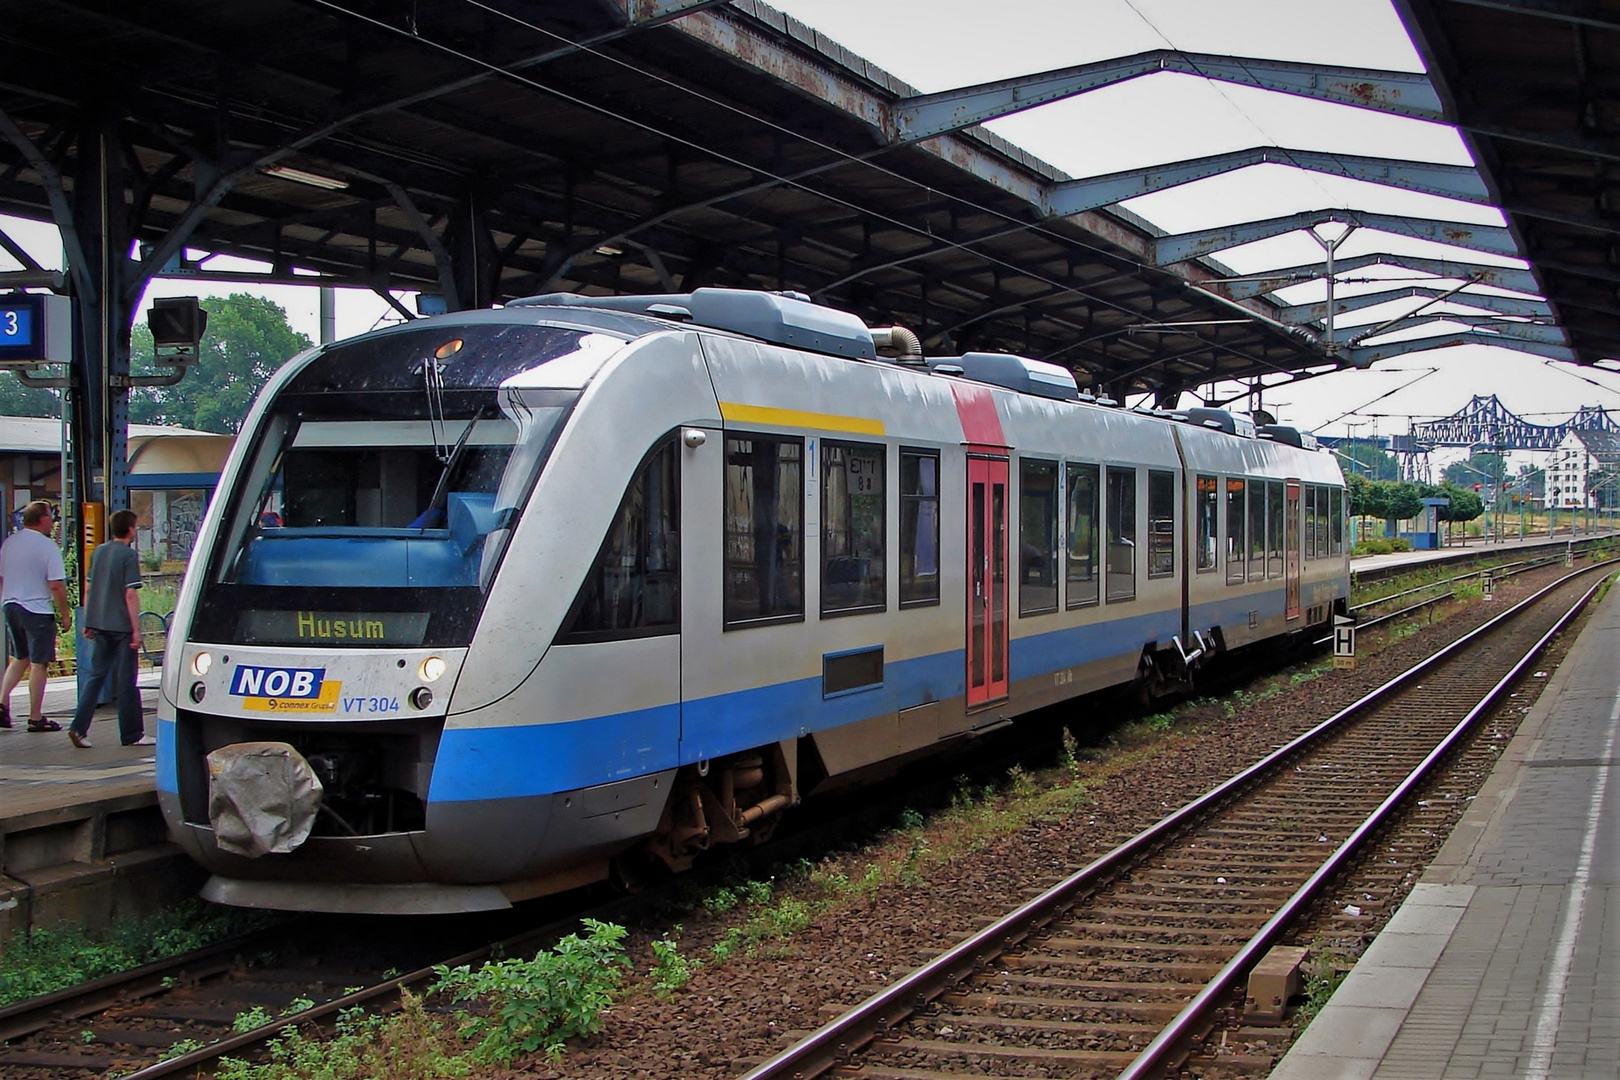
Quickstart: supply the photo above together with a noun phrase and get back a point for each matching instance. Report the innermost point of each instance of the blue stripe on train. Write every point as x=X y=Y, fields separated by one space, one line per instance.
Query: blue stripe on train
x=514 y=761
x=168 y=776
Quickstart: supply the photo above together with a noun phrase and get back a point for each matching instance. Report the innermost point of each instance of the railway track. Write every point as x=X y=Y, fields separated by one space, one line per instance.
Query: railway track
x=177 y=1017
x=1119 y=969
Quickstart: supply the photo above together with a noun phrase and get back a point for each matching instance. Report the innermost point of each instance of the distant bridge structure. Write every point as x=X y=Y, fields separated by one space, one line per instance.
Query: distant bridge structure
x=1486 y=421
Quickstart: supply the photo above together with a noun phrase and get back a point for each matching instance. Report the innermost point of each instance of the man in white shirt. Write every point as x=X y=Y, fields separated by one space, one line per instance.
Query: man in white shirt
x=31 y=582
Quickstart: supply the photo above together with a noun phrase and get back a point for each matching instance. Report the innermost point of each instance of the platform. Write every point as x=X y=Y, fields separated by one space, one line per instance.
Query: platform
x=1505 y=958
x=81 y=838
x=1371 y=567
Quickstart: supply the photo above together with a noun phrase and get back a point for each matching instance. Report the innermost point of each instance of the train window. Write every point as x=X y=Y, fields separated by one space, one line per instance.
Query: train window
x=1208 y=523
x=1037 y=536
x=1121 y=510
x=1080 y=558
x=919 y=527
x=634 y=588
x=854 y=514
x=1336 y=528
x=764 y=529
x=1235 y=519
x=1274 y=529
x=1308 y=497
x=1321 y=521
x=1161 y=523
x=1257 y=530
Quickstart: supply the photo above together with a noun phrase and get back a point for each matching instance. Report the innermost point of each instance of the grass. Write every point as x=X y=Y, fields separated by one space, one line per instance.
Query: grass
x=56 y=957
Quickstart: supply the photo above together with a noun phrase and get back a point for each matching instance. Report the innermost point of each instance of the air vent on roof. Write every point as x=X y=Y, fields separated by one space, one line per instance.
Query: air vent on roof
x=1015 y=373
x=774 y=317
x=1290 y=435
x=1220 y=419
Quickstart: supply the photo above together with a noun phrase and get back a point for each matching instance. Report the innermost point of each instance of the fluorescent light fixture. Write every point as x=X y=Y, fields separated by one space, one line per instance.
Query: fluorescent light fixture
x=609 y=249
x=299 y=176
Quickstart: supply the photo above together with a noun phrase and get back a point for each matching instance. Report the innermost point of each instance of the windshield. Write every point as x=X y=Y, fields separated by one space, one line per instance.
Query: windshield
x=387 y=470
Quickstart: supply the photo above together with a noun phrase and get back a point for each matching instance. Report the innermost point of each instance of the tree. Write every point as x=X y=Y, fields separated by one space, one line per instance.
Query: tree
x=1466 y=505
x=247 y=340
x=1483 y=468
x=19 y=400
x=1397 y=500
x=1368 y=460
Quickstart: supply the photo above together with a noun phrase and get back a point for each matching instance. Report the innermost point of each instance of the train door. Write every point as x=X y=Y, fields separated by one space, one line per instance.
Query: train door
x=987 y=580
x=1291 y=546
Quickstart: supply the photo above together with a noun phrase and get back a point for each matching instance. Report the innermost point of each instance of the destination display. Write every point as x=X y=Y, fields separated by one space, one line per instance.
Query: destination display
x=260 y=627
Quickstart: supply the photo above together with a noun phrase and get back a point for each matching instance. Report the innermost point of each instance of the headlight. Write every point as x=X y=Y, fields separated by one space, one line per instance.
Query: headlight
x=431 y=668
x=201 y=662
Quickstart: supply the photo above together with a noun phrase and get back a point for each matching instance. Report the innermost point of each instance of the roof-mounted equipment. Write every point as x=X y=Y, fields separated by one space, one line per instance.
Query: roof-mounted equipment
x=1015 y=373
x=779 y=318
x=1291 y=435
x=1221 y=420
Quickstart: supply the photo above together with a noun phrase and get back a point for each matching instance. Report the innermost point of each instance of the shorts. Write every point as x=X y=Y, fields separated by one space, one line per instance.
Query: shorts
x=33 y=636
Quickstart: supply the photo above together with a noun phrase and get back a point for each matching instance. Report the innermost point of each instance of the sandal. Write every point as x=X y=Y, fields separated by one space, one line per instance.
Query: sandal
x=44 y=723
x=5 y=716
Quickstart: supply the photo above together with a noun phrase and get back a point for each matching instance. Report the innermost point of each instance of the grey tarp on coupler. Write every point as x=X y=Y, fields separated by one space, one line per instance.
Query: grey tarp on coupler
x=262 y=798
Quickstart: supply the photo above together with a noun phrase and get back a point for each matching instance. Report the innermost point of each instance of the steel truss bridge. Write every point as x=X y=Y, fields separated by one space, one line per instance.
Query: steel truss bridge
x=1485 y=421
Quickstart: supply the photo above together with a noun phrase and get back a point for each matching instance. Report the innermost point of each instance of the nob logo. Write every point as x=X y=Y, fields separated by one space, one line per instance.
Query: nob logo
x=277 y=682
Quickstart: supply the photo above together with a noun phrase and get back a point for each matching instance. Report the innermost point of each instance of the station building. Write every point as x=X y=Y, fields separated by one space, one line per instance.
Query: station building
x=172 y=474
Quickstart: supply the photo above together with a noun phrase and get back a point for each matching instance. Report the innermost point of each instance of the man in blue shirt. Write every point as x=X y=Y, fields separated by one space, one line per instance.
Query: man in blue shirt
x=112 y=625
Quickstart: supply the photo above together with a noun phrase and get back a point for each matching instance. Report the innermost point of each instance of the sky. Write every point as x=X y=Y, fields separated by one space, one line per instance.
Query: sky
x=941 y=44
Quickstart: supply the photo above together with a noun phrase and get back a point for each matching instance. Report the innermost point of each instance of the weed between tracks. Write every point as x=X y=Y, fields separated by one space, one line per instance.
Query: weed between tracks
x=56 y=957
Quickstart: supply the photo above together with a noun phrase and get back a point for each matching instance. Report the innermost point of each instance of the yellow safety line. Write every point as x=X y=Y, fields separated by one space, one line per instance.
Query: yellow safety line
x=765 y=415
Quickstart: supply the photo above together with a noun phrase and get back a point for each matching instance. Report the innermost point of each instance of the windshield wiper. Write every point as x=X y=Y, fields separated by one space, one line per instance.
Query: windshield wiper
x=450 y=462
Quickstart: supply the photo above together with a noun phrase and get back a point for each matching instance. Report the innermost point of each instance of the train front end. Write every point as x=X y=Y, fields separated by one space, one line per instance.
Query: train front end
x=336 y=584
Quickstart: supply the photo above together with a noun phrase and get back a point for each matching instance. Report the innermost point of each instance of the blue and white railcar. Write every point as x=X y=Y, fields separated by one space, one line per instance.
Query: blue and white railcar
x=507 y=595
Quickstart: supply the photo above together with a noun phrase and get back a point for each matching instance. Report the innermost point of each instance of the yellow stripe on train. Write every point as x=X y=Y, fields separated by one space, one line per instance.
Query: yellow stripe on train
x=815 y=421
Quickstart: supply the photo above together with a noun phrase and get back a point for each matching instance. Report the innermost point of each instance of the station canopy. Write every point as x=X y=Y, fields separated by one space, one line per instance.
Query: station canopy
x=482 y=150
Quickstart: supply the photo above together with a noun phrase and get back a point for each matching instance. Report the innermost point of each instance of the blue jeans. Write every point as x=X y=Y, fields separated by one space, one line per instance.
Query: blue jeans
x=112 y=658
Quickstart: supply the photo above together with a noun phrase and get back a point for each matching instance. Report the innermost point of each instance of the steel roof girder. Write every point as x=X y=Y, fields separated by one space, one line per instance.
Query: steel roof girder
x=927 y=115
x=1486 y=324
x=1501 y=277
x=1460 y=182
x=1367 y=356
x=1181 y=247
x=1502 y=305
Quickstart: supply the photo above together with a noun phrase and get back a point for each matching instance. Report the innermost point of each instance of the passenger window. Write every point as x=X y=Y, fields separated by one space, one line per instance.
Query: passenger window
x=1208 y=523
x=1081 y=555
x=1037 y=536
x=764 y=529
x=1336 y=529
x=1274 y=529
x=919 y=527
x=1121 y=509
x=1257 y=530
x=1309 y=495
x=1235 y=518
x=1161 y=524
x=853 y=519
x=634 y=588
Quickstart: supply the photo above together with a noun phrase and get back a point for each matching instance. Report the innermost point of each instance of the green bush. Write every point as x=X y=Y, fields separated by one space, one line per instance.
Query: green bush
x=541 y=1003
x=409 y=1045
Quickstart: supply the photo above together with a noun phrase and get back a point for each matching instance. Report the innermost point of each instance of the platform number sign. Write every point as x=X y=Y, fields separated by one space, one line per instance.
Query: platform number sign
x=1344 y=642
x=35 y=328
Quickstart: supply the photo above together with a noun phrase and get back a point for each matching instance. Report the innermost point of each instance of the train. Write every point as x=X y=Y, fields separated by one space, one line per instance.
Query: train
x=500 y=603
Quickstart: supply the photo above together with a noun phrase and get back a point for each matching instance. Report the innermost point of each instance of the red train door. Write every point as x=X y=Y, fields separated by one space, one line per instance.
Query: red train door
x=1291 y=547
x=987 y=580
